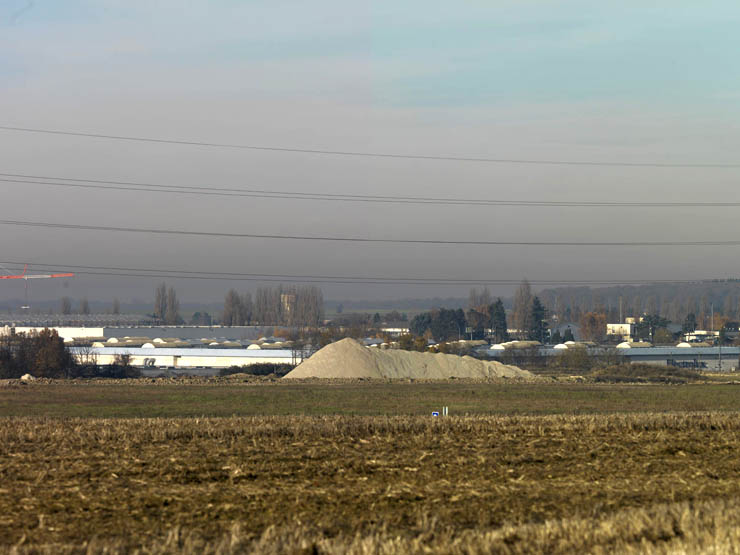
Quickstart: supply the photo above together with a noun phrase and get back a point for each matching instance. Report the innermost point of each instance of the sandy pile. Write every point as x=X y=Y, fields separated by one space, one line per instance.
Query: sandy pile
x=350 y=359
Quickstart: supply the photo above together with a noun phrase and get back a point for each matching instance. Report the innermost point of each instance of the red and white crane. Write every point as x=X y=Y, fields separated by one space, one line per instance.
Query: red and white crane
x=26 y=277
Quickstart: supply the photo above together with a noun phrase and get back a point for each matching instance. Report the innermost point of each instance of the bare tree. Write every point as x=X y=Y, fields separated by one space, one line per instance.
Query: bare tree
x=84 y=306
x=245 y=316
x=66 y=305
x=287 y=306
x=160 y=301
x=86 y=356
x=523 y=308
x=729 y=306
x=122 y=360
x=116 y=306
x=479 y=300
x=172 y=308
x=593 y=326
x=232 y=309
x=651 y=305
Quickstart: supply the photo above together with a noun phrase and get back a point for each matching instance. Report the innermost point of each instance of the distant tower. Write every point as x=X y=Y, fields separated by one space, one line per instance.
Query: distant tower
x=287 y=301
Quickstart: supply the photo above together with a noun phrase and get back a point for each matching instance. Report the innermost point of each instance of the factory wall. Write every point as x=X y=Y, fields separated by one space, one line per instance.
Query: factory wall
x=65 y=332
x=187 y=358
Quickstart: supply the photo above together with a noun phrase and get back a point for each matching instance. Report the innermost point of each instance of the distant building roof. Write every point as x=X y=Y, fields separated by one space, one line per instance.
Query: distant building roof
x=195 y=352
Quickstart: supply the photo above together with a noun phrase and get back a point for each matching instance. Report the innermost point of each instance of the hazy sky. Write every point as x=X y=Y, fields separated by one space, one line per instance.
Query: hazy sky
x=617 y=81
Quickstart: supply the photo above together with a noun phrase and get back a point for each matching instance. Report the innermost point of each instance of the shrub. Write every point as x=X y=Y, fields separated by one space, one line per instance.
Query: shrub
x=259 y=369
x=41 y=354
x=115 y=371
x=44 y=355
x=576 y=360
x=645 y=373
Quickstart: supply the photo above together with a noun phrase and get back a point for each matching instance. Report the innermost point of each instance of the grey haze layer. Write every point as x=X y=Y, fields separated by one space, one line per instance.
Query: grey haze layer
x=538 y=80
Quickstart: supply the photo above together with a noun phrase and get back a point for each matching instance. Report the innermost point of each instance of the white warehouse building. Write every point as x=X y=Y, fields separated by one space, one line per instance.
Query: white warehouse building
x=625 y=331
x=188 y=358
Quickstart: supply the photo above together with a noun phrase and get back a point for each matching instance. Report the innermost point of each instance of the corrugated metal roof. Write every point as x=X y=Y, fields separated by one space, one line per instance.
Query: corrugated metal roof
x=635 y=351
x=137 y=351
x=682 y=351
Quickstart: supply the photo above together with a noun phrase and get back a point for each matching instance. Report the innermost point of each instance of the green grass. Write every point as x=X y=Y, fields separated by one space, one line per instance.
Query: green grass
x=103 y=400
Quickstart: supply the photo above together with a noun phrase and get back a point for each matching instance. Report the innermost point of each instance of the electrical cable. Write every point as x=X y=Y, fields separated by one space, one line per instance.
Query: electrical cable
x=185 y=232
x=237 y=276
x=261 y=193
x=314 y=151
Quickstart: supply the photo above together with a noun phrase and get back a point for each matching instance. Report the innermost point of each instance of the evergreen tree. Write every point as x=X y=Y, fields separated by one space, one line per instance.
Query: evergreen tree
x=723 y=337
x=689 y=324
x=201 y=319
x=568 y=335
x=498 y=321
x=645 y=330
x=477 y=321
x=538 y=325
x=444 y=324
x=556 y=338
x=420 y=323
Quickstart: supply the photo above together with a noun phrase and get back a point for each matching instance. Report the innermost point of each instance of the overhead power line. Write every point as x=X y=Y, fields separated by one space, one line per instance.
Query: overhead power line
x=241 y=276
x=315 y=151
x=112 y=185
x=186 y=232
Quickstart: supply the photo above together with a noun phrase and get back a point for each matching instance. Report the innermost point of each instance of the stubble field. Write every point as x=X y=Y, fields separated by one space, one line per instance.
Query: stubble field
x=558 y=483
x=229 y=397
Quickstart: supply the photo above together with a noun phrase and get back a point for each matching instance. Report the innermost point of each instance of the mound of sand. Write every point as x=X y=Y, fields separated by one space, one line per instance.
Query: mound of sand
x=350 y=359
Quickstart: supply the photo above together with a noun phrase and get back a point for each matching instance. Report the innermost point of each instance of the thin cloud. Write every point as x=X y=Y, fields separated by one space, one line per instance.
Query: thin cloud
x=18 y=13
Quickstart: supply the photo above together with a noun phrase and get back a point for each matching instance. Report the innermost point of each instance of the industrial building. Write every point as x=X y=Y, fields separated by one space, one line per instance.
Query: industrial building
x=708 y=359
x=182 y=332
x=625 y=331
x=188 y=347
x=188 y=357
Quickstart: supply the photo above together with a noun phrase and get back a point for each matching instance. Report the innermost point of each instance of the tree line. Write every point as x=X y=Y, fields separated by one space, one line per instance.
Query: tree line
x=275 y=306
x=83 y=306
x=529 y=318
x=167 y=305
x=673 y=301
x=271 y=306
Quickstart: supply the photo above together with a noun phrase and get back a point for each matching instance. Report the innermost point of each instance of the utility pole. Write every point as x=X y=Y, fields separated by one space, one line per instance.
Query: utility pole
x=720 y=354
x=719 y=339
